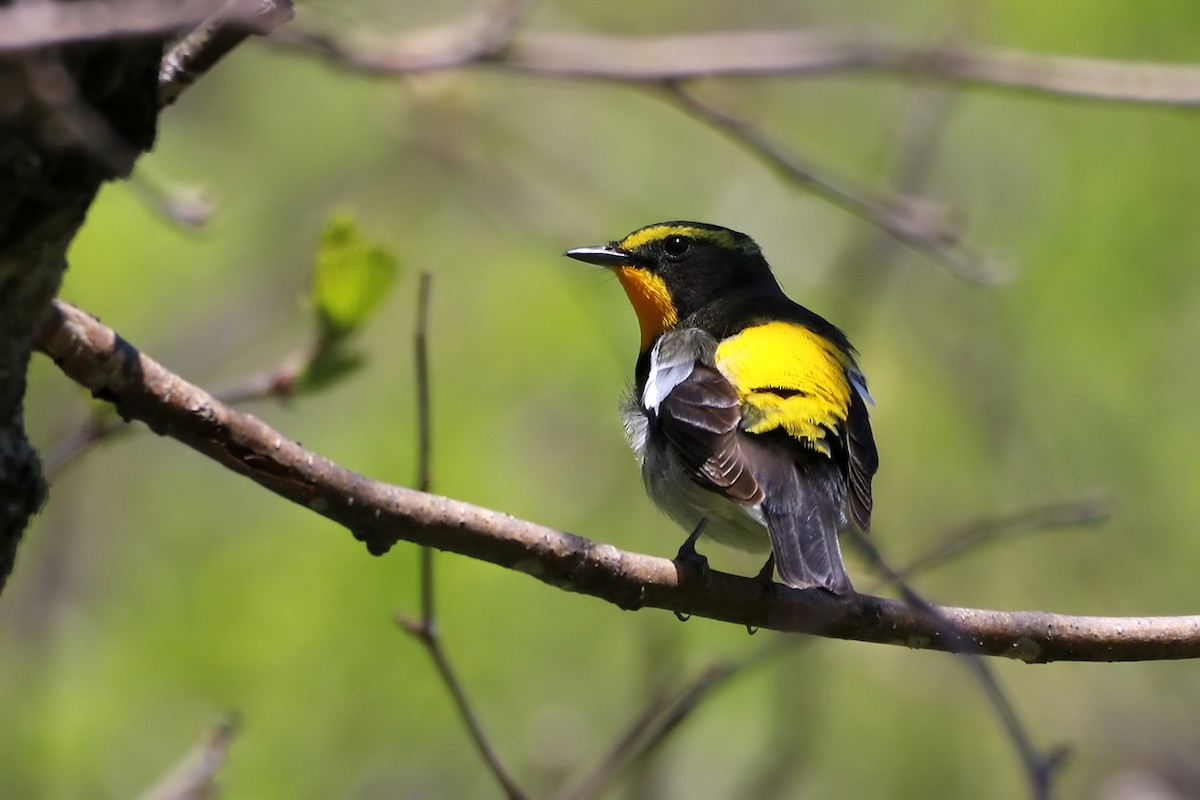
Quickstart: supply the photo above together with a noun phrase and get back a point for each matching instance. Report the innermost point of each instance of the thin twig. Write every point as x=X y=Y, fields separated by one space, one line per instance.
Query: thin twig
x=380 y=515
x=630 y=746
x=424 y=436
x=665 y=714
x=189 y=207
x=192 y=778
x=421 y=348
x=1088 y=510
x=923 y=226
x=429 y=637
x=213 y=39
x=425 y=629
x=862 y=273
x=1039 y=768
x=650 y=728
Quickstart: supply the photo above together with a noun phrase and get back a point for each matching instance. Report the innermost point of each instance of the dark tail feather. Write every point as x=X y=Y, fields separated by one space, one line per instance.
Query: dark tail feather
x=803 y=513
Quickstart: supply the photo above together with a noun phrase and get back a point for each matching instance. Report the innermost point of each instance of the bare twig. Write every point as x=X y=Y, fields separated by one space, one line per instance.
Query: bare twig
x=421 y=348
x=1039 y=767
x=662 y=717
x=862 y=273
x=192 y=778
x=189 y=207
x=425 y=629
x=214 y=38
x=924 y=226
x=637 y=740
x=1089 y=510
x=424 y=435
x=380 y=515
x=427 y=635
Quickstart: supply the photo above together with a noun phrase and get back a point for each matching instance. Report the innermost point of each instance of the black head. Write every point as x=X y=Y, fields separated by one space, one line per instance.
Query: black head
x=673 y=269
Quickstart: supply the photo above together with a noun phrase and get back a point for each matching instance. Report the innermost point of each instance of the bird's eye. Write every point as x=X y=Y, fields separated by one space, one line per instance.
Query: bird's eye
x=676 y=246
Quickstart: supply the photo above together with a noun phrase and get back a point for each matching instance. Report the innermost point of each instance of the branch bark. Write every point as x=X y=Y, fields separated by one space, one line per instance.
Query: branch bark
x=758 y=53
x=624 y=58
x=381 y=515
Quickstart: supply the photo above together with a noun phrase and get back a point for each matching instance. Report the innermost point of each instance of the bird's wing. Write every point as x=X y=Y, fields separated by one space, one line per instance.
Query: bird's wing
x=799 y=490
x=862 y=460
x=700 y=417
x=699 y=412
x=792 y=379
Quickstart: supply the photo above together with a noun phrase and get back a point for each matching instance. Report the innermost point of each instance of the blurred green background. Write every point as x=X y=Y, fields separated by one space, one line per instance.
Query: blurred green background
x=158 y=591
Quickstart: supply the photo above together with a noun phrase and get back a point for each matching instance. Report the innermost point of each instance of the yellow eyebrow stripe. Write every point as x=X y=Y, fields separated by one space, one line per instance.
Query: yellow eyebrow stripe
x=789 y=377
x=656 y=232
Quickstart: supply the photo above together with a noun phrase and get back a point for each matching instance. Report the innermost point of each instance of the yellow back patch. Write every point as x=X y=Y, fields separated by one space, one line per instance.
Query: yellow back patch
x=651 y=301
x=788 y=377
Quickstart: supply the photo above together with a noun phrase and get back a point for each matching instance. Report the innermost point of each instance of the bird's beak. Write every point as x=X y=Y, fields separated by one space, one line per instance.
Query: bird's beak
x=608 y=255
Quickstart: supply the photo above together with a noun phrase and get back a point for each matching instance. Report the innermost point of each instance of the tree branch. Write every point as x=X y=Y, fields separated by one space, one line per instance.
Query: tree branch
x=193 y=778
x=621 y=58
x=213 y=39
x=758 y=53
x=24 y=26
x=924 y=226
x=1039 y=767
x=381 y=515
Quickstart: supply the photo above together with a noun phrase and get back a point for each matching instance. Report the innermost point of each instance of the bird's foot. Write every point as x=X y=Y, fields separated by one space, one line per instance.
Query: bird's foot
x=766 y=578
x=687 y=559
x=766 y=575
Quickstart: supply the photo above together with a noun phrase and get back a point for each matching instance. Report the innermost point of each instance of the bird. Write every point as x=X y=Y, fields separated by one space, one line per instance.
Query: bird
x=748 y=412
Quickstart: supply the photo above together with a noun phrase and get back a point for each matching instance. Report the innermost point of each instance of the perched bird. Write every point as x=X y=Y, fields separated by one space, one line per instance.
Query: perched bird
x=748 y=412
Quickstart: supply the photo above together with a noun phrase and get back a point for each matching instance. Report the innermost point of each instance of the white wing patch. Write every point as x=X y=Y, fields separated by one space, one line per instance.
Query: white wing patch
x=665 y=375
x=672 y=360
x=859 y=382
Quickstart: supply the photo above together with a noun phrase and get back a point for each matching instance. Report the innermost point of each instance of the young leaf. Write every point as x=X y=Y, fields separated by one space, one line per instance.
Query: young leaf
x=350 y=278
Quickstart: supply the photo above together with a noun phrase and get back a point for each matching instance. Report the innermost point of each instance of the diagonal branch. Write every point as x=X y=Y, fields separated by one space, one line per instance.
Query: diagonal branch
x=194 y=776
x=1039 y=767
x=381 y=515
x=213 y=39
x=923 y=226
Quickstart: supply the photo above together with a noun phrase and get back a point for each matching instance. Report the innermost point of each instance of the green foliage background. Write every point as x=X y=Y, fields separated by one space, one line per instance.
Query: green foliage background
x=158 y=591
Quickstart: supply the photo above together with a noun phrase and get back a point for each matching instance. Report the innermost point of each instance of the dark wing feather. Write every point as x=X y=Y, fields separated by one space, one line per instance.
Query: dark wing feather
x=803 y=509
x=700 y=419
x=801 y=491
x=862 y=460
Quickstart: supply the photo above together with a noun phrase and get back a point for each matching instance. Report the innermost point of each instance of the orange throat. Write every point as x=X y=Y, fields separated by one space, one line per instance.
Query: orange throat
x=651 y=302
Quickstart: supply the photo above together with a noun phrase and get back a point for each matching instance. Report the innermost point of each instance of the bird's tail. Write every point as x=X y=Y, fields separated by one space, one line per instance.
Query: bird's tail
x=804 y=508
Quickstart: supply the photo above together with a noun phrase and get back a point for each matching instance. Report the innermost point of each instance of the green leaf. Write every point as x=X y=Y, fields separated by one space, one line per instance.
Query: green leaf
x=351 y=277
x=326 y=368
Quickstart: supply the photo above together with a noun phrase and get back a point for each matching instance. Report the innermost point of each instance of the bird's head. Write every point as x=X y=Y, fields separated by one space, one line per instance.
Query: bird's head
x=673 y=269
